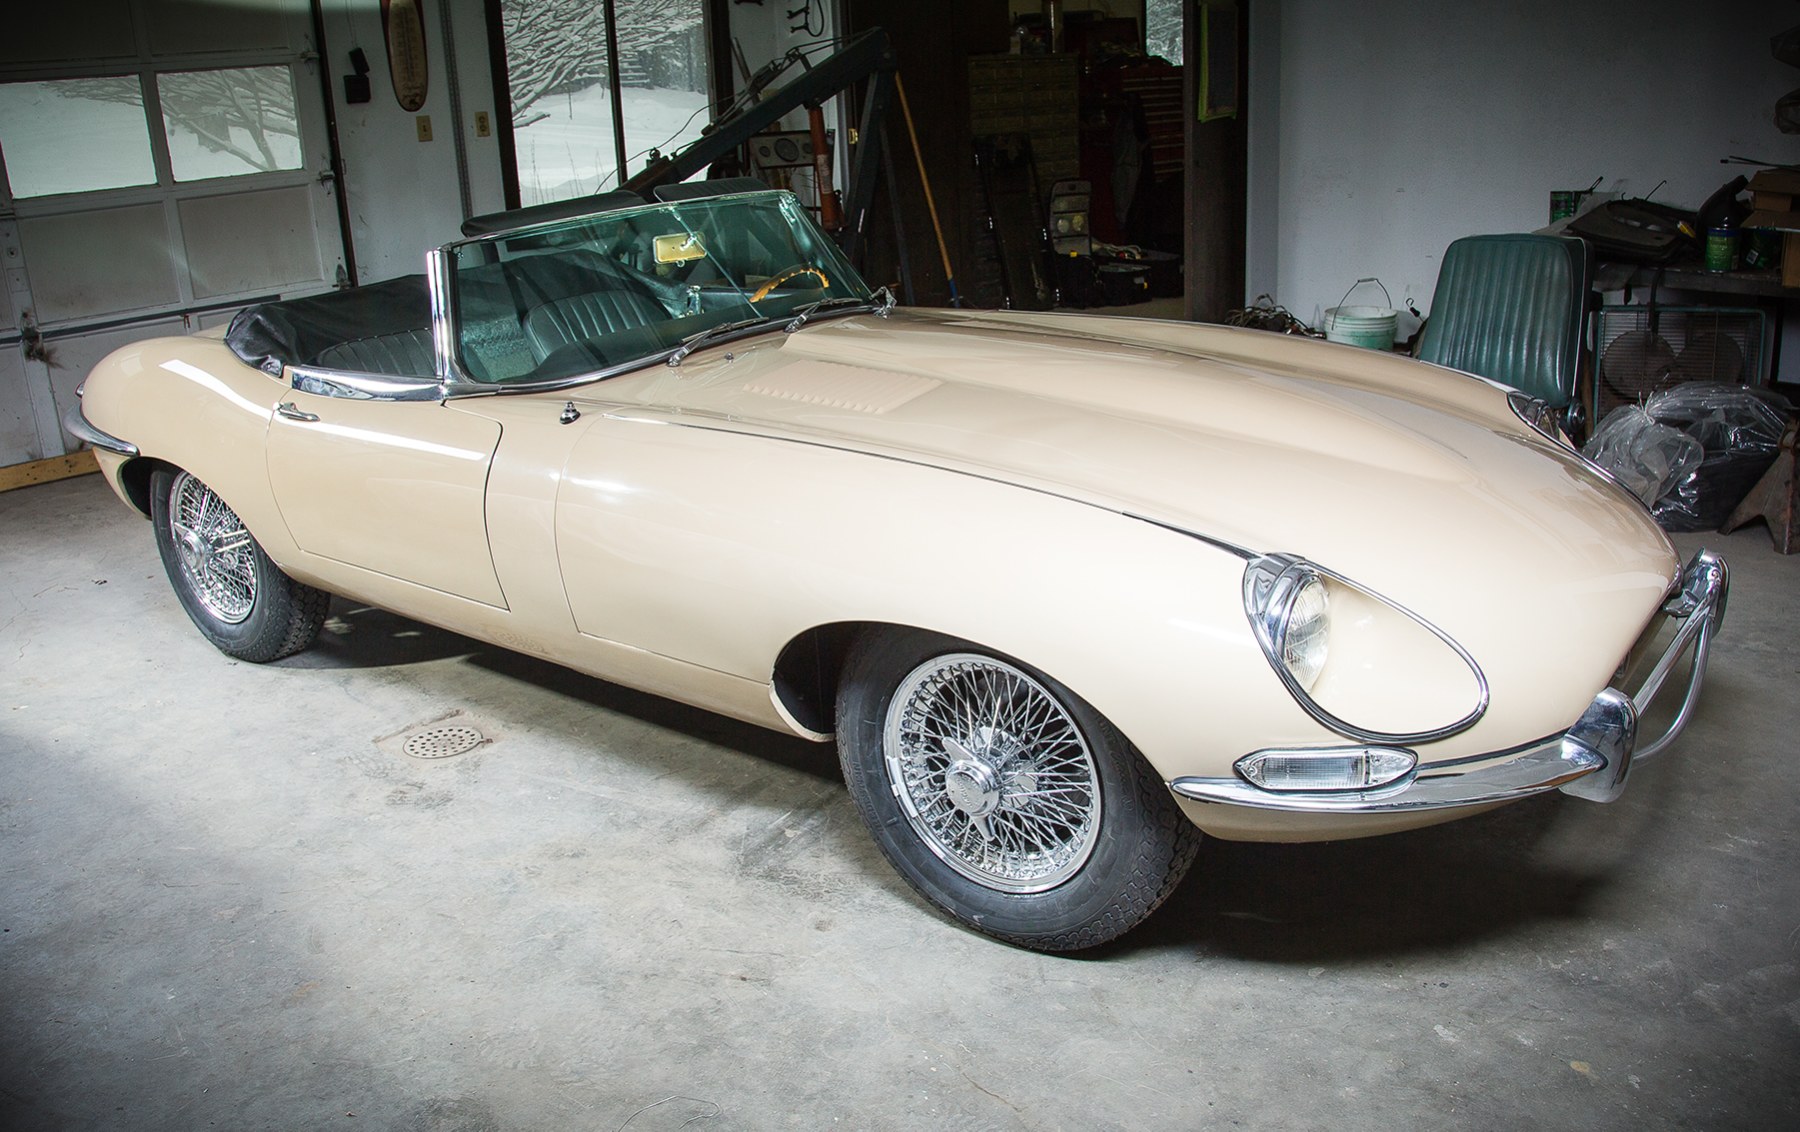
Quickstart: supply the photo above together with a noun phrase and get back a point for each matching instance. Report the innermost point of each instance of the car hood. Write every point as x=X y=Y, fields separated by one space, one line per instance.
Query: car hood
x=1415 y=481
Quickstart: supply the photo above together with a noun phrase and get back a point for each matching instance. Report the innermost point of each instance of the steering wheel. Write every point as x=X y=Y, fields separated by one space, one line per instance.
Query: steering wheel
x=781 y=277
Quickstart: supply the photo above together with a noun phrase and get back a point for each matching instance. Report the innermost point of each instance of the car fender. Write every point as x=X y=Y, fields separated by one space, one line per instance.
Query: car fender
x=718 y=548
x=191 y=403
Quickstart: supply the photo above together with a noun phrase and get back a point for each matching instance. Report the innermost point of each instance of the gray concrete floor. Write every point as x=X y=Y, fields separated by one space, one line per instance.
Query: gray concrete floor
x=226 y=901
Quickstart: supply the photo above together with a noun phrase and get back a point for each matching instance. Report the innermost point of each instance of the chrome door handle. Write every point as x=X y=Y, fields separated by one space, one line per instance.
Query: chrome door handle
x=294 y=413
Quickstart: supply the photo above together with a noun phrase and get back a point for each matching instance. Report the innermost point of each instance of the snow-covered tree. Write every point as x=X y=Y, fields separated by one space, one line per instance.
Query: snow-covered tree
x=554 y=46
x=240 y=111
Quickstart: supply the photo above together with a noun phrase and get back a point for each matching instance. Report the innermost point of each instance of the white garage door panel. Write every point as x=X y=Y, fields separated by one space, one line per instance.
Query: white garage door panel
x=208 y=25
x=99 y=262
x=43 y=33
x=251 y=241
x=18 y=431
x=165 y=162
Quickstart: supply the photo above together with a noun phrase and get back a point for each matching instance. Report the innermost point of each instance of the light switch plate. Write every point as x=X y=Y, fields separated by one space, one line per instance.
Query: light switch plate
x=483 y=127
x=424 y=123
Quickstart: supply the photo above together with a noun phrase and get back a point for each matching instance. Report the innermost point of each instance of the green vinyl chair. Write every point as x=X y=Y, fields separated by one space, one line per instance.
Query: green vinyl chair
x=1514 y=309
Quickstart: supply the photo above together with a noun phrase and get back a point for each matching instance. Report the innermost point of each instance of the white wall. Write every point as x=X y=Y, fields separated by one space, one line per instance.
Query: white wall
x=1402 y=126
x=404 y=193
x=762 y=33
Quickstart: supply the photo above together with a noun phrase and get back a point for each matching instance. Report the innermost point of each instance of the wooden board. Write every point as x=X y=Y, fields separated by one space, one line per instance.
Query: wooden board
x=44 y=471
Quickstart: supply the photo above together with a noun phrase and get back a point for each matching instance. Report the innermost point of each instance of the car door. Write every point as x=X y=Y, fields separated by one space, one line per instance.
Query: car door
x=395 y=487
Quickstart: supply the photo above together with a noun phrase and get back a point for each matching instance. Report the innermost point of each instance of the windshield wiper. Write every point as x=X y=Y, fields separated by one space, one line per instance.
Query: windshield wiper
x=810 y=309
x=881 y=302
x=694 y=341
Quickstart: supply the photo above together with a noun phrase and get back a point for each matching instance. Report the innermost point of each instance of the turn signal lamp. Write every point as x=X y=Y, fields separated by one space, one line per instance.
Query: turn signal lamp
x=1355 y=768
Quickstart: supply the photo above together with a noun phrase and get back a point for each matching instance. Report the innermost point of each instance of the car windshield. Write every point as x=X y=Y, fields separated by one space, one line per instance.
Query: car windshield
x=558 y=301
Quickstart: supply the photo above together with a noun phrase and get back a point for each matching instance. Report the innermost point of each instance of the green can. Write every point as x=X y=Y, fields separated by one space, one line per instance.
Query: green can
x=1721 y=249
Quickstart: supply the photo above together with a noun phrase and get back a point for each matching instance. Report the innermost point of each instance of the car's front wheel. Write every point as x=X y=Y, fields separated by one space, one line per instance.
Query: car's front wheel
x=1002 y=797
x=239 y=599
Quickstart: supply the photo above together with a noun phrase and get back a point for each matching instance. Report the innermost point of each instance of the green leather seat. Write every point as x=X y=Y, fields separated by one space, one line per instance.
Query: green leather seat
x=406 y=354
x=1513 y=309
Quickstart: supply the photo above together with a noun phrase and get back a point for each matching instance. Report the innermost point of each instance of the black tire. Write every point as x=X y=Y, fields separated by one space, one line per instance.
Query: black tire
x=1023 y=813
x=239 y=600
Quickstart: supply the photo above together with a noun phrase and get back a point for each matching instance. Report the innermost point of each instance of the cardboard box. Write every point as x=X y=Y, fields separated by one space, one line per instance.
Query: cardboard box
x=1773 y=190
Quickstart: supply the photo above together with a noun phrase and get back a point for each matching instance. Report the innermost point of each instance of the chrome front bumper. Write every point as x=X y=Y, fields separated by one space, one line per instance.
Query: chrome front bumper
x=1590 y=760
x=76 y=424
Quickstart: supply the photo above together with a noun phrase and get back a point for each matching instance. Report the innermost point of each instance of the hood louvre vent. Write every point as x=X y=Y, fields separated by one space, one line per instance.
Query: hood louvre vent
x=844 y=387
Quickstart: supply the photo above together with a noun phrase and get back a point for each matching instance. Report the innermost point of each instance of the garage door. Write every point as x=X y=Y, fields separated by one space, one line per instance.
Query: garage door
x=162 y=163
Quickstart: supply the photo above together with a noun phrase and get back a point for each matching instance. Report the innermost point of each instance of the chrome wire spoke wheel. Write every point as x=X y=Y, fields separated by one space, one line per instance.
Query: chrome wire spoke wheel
x=216 y=552
x=992 y=773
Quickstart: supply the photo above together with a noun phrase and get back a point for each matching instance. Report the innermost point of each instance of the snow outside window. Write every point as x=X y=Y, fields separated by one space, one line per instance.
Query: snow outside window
x=1162 y=29
x=558 y=71
x=228 y=122
x=75 y=135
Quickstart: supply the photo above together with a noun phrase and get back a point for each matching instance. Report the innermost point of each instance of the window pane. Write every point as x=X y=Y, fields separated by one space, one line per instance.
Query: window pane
x=228 y=123
x=1162 y=29
x=562 y=108
x=663 y=70
x=616 y=289
x=75 y=135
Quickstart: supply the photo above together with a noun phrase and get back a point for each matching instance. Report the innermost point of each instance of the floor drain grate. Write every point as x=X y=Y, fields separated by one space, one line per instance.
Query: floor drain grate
x=443 y=742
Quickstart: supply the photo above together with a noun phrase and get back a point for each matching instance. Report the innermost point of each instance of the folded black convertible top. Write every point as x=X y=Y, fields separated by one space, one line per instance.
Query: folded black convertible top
x=296 y=331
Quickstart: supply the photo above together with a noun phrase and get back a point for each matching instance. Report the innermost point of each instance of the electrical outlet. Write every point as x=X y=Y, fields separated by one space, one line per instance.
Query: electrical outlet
x=424 y=124
x=483 y=127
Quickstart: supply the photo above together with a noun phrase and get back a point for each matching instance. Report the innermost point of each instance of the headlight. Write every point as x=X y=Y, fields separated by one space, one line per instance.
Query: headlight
x=1360 y=664
x=1538 y=415
x=1291 y=614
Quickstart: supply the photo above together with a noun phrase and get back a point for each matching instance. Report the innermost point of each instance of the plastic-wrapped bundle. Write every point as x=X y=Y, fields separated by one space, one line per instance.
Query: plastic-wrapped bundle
x=1740 y=432
x=1647 y=457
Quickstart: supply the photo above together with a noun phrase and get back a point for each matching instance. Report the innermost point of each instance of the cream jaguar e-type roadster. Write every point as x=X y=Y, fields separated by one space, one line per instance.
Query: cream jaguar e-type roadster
x=1067 y=590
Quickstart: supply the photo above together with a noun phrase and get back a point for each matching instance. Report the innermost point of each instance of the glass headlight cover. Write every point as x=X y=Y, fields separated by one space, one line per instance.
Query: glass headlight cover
x=1538 y=415
x=1360 y=664
x=1291 y=615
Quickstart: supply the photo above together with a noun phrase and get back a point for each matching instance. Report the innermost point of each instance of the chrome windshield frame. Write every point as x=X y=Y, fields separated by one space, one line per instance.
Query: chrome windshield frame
x=455 y=379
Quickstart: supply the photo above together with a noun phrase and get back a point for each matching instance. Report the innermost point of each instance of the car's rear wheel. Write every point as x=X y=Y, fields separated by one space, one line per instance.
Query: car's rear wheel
x=239 y=600
x=1002 y=797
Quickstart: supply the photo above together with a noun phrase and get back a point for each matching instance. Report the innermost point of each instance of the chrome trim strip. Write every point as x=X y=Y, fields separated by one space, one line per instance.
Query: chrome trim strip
x=1243 y=552
x=76 y=424
x=363 y=386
